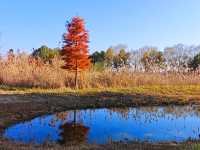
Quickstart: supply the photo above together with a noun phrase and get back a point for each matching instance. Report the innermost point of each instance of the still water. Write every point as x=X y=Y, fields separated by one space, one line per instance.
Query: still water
x=152 y=124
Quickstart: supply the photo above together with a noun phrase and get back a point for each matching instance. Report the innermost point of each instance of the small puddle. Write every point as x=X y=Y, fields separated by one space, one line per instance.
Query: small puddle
x=152 y=124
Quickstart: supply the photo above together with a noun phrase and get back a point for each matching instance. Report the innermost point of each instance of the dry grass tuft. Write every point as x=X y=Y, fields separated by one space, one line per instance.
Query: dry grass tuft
x=24 y=71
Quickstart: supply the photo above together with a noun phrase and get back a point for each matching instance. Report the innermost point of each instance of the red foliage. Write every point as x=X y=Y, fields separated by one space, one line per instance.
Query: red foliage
x=75 y=51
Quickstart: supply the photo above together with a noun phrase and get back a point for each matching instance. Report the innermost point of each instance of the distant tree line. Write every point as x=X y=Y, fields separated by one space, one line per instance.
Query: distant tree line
x=45 y=53
x=178 y=58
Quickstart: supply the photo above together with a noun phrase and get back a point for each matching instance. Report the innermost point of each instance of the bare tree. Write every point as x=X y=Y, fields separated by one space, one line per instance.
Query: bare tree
x=177 y=57
x=136 y=56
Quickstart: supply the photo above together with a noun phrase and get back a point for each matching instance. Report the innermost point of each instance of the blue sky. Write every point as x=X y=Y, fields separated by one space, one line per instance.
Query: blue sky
x=27 y=24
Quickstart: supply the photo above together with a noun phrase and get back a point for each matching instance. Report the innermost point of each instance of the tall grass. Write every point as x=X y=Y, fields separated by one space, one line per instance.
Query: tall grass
x=25 y=71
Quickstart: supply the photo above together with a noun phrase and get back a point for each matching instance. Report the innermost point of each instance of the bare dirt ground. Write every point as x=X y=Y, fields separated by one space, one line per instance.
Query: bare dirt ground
x=19 y=107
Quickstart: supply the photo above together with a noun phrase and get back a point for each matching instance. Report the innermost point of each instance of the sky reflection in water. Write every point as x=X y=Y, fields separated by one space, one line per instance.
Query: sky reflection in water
x=153 y=124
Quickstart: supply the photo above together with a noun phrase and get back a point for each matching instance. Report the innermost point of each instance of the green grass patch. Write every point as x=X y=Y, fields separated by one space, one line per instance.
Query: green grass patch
x=179 y=90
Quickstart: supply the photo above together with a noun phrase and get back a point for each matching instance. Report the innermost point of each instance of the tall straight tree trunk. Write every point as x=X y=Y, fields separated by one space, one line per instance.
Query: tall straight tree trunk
x=76 y=75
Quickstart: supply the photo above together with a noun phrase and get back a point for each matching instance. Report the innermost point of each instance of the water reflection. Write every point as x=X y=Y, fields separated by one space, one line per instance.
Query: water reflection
x=73 y=133
x=153 y=124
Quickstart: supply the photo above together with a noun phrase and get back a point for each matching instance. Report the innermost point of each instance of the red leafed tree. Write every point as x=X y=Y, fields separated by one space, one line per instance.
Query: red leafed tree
x=75 y=50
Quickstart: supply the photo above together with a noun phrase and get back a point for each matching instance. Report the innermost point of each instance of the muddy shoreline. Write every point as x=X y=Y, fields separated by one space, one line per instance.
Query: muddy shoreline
x=19 y=107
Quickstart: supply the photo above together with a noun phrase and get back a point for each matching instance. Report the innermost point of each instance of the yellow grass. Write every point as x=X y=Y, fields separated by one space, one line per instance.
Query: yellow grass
x=179 y=91
x=21 y=73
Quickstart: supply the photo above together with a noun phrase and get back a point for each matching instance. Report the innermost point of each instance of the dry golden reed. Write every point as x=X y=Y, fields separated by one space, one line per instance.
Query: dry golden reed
x=25 y=71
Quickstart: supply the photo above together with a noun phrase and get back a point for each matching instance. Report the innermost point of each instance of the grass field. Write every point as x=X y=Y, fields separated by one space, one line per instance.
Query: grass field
x=179 y=91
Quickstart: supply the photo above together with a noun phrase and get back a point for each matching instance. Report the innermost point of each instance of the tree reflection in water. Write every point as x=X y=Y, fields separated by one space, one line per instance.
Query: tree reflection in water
x=62 y=116
x=153 y=113
x=71 y=132
x=171 y=123
x=77 y=132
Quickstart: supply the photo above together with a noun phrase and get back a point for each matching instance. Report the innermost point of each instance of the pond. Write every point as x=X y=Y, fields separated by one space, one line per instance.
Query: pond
x=152 y=124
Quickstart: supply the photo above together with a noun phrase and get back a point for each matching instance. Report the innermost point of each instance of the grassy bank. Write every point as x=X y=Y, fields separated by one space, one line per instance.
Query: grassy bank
x=179 y=91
